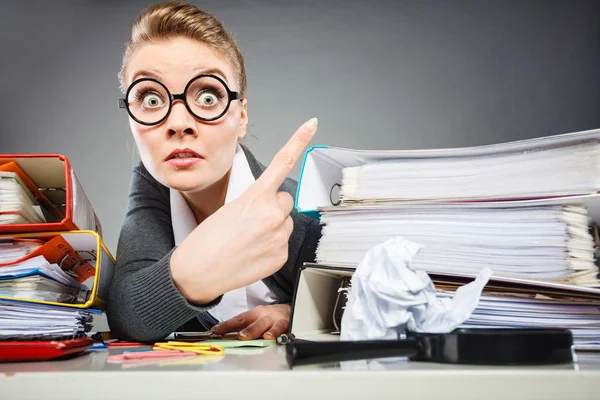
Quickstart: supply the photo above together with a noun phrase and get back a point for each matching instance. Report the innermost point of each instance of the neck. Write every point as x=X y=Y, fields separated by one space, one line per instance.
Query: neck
x=209 y=200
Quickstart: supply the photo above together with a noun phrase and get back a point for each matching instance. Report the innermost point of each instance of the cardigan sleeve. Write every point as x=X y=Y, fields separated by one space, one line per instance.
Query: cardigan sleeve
x=143 y=302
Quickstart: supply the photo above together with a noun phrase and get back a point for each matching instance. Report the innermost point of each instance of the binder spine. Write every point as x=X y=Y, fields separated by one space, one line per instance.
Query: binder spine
x=83 y=213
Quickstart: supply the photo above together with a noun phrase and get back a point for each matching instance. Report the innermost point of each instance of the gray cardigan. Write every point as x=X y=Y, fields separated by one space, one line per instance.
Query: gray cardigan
x=143 y=302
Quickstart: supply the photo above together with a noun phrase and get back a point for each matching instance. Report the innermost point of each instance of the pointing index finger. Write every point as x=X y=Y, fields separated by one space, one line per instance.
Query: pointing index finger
x=283 y=162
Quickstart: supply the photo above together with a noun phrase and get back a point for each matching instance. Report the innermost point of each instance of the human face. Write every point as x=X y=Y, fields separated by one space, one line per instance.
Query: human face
x=212 y=145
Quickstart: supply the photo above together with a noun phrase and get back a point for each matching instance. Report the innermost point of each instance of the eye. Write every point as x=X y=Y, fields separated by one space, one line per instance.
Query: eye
x=152 y=100
x=207 y=99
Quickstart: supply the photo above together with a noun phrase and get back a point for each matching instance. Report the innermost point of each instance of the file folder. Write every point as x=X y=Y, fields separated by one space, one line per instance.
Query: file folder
x=97 y=267
x=320 y=178
x=56 y=181
x=56 y=251
x=42 y=350
x=318 y=304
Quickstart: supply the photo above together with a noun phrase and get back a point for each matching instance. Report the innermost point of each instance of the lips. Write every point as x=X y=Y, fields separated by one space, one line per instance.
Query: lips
x=182 y=153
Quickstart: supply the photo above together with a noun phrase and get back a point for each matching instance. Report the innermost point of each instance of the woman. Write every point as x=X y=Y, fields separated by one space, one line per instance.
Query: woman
x=210 y=236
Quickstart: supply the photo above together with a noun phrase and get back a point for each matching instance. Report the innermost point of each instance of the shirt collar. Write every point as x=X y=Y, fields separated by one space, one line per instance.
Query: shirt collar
x=182 y=217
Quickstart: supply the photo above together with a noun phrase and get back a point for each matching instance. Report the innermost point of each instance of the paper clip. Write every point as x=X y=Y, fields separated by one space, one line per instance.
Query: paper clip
x=198 y=348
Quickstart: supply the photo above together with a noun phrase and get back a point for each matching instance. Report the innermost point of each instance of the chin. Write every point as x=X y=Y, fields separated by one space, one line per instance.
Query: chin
x=187 y=184
x=185 y=181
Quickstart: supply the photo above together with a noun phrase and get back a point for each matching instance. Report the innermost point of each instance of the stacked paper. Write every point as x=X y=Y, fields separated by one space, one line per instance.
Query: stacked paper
x=37 y=279
x=53 y=264
x=545 y=243
x=501 y=310
x=13 y=250
x=39 y=321
x=17 y=203
x=544 y=172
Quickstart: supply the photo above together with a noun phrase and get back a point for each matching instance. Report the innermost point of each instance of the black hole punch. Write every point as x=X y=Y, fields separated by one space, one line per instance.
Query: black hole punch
x=500 y=346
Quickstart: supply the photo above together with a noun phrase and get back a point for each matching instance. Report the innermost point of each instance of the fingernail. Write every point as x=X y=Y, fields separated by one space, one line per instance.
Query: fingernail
x=243 y=333
x=216 y=327
x=312 y=124
x=270 y=334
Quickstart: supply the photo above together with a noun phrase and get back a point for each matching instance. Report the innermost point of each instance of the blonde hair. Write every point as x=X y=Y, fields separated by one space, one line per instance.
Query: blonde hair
x=179 y=19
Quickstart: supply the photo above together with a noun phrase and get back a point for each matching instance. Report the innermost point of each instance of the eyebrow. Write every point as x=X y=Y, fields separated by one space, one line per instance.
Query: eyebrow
x=145 y=74
x=212 y=71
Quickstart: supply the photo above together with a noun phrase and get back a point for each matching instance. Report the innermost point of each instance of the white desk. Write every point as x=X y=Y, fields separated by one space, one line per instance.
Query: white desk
x=265 y=375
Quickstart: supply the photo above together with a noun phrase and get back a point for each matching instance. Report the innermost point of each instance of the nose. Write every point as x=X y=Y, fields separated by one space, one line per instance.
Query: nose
x=180 y=121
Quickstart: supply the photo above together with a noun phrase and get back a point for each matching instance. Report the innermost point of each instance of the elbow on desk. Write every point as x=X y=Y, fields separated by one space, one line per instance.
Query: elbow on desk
x=125 y=323
x=131 y=329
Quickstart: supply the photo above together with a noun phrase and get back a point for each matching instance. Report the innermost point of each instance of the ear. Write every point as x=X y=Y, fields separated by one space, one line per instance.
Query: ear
x=243 y=119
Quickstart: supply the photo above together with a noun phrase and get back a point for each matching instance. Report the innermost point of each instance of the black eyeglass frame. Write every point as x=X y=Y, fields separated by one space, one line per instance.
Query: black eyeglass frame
x=231 y=95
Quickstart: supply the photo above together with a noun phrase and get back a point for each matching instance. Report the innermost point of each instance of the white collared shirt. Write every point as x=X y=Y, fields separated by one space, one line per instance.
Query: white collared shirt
x=183 y=221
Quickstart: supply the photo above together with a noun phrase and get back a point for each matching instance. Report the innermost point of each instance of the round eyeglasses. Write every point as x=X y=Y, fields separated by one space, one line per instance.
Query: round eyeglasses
x=206 y=97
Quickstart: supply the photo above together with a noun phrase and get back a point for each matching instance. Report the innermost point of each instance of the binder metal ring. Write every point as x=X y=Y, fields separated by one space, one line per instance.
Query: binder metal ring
x=339 y=200
x=51 y=189
x=71 y=270
x=343 y=288
x=88 y=252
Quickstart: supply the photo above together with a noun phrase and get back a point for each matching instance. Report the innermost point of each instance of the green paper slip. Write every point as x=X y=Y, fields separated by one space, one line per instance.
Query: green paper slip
x=232 y=344
x=247 y=351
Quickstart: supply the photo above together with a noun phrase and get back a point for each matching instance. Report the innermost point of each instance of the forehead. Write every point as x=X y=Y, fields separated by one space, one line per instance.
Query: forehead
x=175 y=61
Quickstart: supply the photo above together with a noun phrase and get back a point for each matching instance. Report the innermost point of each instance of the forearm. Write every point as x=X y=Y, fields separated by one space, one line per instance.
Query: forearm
x=184 y=276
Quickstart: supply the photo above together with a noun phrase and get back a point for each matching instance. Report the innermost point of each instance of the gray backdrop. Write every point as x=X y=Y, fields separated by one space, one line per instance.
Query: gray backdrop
x=378 y=74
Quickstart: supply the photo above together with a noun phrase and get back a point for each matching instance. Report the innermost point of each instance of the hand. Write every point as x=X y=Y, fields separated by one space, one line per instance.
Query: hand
x=246 y=240
x=267 y=322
